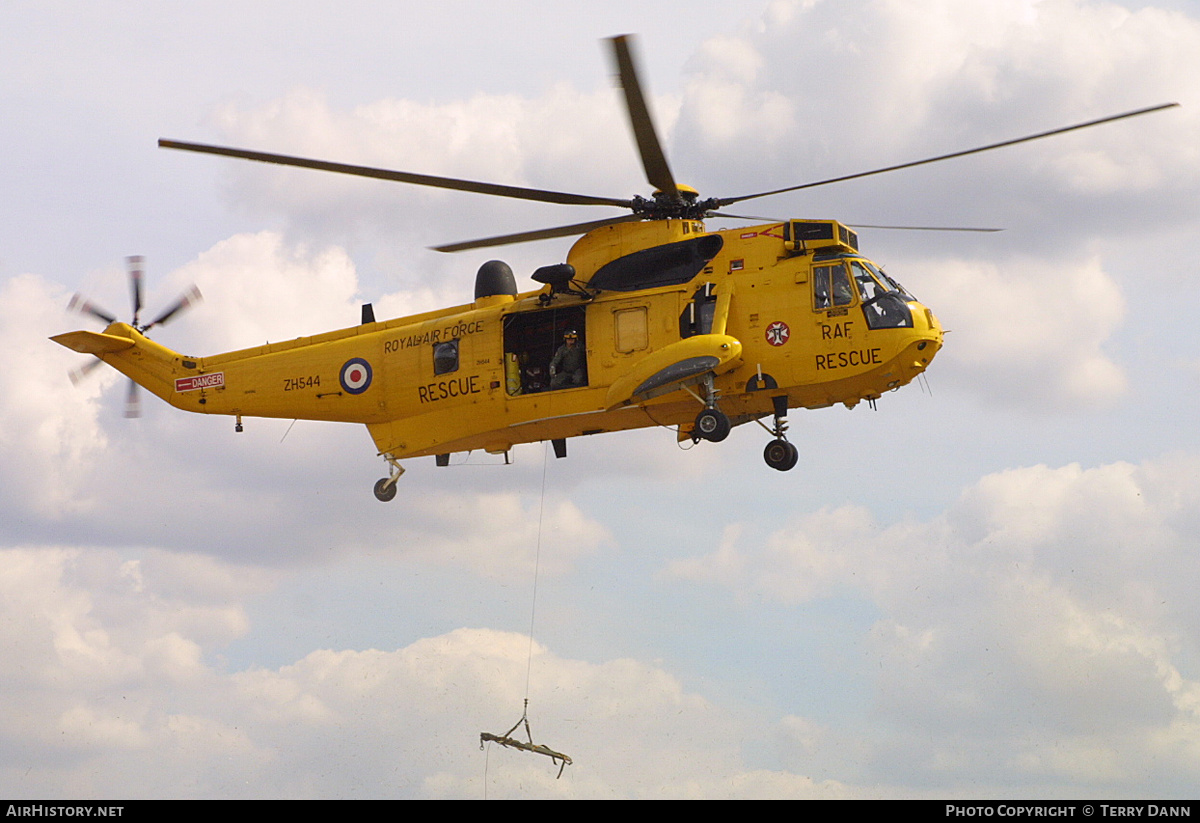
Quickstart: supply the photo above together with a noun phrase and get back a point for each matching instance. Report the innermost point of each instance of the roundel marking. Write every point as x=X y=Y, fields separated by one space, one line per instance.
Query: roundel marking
x=355 y=376
x=778 y=333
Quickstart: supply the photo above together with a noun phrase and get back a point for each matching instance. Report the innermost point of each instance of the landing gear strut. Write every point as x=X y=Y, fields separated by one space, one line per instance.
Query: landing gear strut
x=385 y=488
x=711 y=424
x=779 y=453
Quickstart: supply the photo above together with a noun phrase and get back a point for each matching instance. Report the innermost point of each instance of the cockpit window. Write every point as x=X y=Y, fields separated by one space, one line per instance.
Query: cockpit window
x=868 y=287
x=888 y=282
x=831 y=287
x=884 y=305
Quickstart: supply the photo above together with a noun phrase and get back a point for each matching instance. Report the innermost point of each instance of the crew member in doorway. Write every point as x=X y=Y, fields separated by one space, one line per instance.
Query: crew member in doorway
x=566 y=369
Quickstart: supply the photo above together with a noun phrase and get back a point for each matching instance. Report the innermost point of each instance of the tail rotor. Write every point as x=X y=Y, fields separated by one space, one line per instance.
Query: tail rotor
x=136 y=268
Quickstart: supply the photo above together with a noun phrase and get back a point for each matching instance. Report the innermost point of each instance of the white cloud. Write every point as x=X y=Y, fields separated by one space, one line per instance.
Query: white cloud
x=259 y=288
x=1029 y=332
x=1044 y=612
x=565 y=140
x=497 y=534
x=723 y=103
x=334 y=723
x=51 y=427
x=831 y=88
x=76 y=618
x=1039 y=636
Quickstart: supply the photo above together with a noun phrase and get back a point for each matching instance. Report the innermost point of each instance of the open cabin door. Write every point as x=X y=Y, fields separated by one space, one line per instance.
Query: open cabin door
x=532 y=342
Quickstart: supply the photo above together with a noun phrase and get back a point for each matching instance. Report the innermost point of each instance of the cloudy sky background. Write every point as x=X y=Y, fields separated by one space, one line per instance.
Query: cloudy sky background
x=984 y=589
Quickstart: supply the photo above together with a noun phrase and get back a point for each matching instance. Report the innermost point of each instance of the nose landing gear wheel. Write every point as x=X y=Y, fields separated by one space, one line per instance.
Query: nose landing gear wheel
x=781 y=455
x=385 y=489
x=711 y=425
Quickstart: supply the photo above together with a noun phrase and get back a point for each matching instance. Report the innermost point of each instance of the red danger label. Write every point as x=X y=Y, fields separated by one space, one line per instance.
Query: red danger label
x=200 y=381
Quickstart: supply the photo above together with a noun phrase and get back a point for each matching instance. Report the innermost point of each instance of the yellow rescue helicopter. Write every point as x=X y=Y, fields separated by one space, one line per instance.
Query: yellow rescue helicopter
x=652 y=320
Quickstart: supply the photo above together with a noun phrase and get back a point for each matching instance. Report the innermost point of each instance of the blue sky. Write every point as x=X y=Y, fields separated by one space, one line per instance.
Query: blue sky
x=986 y=589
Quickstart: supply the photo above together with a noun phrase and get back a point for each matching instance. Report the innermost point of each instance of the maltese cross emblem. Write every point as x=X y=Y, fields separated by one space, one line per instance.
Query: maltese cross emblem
x=778 y=333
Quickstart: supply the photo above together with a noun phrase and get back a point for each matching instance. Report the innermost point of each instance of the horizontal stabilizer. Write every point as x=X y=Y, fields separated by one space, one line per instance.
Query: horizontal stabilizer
x=90 y=342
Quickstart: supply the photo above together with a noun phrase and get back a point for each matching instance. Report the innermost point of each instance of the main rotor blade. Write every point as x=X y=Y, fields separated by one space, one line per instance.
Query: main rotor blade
x=920 y=228
x=707 y=215
x=851 y=225
x=654 y=161
x=539 y=234
x=477 y=187
x=725 y=201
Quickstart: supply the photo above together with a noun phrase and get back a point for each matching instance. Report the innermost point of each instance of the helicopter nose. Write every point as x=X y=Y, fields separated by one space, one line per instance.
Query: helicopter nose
x=927 y=338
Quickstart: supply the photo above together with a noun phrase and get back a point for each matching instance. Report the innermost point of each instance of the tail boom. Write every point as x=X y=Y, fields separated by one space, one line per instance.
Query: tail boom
x=259 y=382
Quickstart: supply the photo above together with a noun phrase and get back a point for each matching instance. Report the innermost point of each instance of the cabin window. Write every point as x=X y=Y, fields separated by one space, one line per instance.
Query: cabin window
x=631 y=329
x=831 y=287
x=697 y=317
x=445 y=357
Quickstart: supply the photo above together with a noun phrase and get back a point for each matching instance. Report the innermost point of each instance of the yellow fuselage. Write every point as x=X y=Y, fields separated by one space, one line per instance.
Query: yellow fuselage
x=771 y=314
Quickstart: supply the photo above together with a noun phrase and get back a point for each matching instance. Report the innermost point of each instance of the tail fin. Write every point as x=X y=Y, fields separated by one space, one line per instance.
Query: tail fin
x=148 y=364
x=90 y=342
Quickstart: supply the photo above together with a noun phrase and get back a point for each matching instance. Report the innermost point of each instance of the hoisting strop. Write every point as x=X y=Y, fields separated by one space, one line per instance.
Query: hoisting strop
x=507 y=739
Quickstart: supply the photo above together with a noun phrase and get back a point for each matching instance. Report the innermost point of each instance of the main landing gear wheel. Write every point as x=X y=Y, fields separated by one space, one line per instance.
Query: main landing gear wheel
x=711 y=425
x=385 y=489
x=781 y=455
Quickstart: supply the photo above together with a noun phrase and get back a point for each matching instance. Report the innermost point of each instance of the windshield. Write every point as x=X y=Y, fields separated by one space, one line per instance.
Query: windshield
x=868 y=287
x=888 y=283
x=884 y=304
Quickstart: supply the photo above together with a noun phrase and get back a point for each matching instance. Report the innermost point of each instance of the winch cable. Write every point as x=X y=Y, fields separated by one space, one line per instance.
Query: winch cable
x=537 y=557
x=507 y=738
